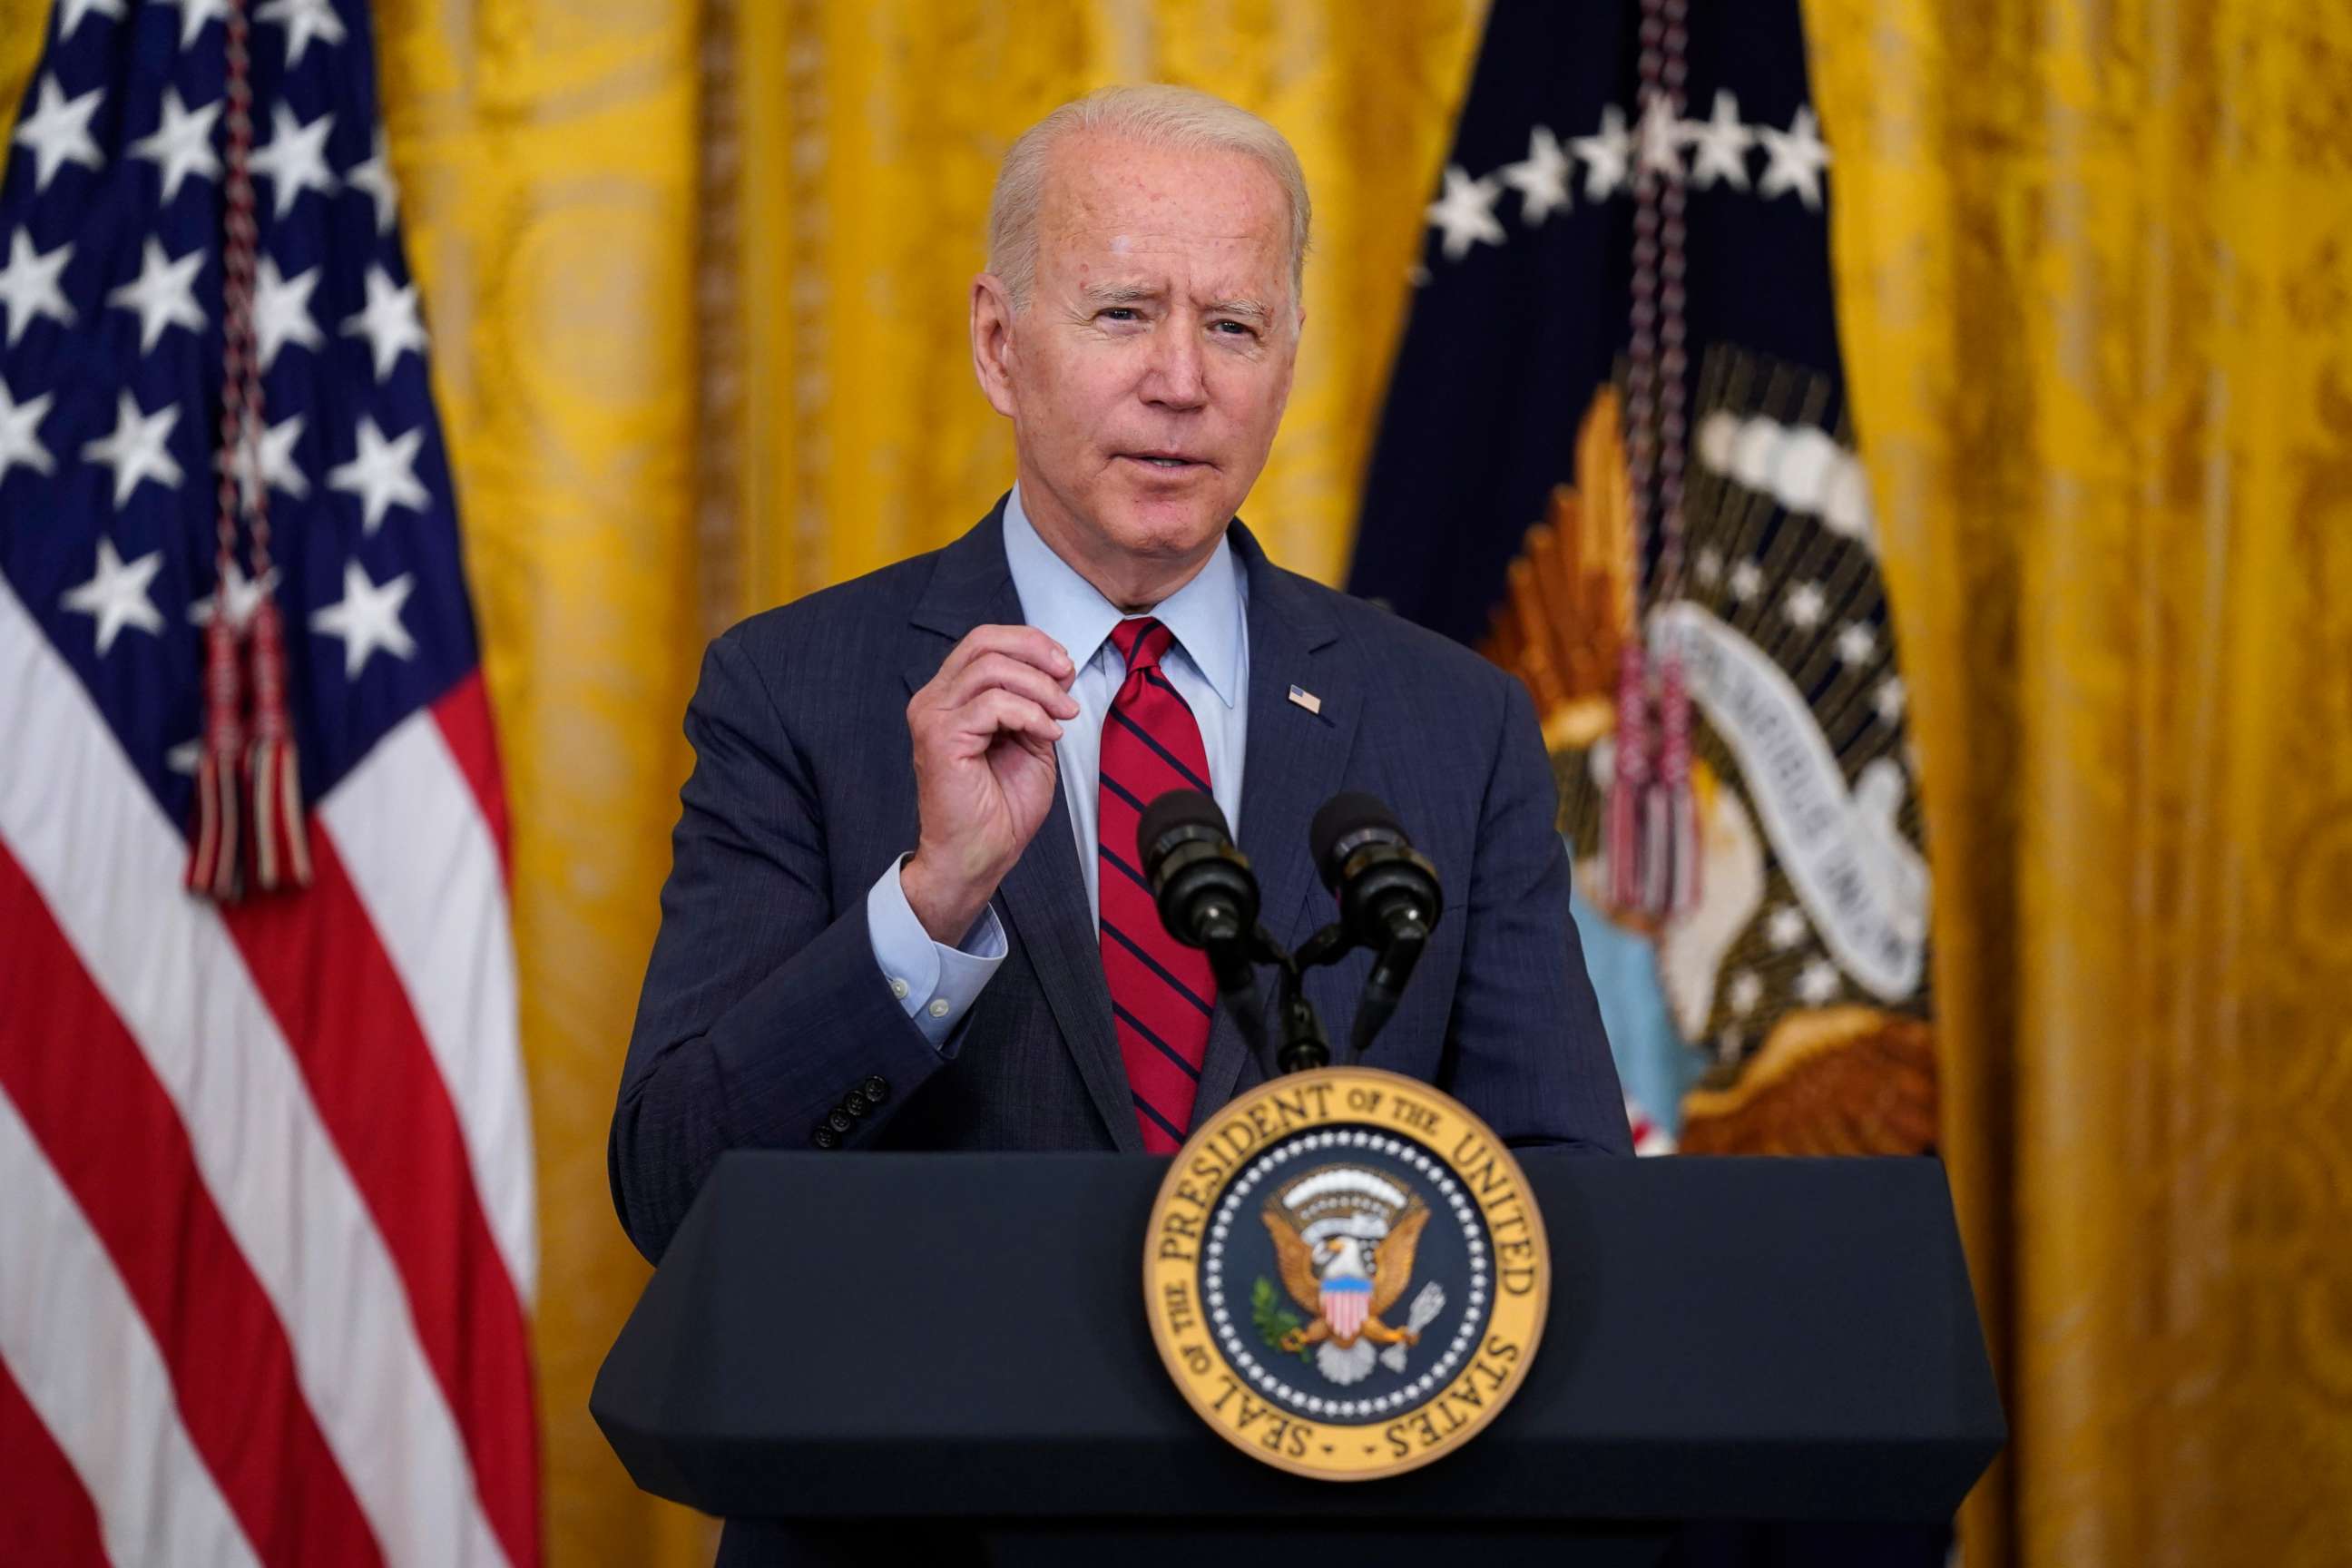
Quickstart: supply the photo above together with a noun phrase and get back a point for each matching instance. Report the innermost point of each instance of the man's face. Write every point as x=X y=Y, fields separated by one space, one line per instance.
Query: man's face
x=1146 y=374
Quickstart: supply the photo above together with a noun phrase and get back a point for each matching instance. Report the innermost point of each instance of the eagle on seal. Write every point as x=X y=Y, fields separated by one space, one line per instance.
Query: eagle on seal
x=1344 y=1239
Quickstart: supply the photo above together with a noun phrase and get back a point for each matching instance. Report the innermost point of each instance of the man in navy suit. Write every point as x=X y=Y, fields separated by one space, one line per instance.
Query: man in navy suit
x=903 y=911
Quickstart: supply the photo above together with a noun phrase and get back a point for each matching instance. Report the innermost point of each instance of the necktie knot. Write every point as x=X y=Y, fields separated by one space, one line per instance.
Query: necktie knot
x=1143 y=642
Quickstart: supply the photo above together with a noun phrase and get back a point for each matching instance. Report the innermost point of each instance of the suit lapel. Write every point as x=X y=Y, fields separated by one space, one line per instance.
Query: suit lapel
x=1043 y=897
x=1293 y=763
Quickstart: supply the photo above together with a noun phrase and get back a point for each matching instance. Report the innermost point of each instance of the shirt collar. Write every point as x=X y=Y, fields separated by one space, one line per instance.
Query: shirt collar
x=1205 y=615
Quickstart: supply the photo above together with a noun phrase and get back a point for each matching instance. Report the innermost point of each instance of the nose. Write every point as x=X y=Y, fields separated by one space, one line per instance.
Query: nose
x=1177 y=377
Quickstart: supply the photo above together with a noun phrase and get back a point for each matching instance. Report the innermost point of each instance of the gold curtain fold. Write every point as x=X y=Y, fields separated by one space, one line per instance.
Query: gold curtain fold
x=546 y=157
x=2095 y=261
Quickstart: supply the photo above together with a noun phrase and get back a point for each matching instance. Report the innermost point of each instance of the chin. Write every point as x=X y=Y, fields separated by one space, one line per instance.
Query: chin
x=1171 y=525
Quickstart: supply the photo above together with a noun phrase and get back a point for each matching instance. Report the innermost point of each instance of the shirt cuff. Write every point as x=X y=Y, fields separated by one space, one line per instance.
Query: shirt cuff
x=933 y=983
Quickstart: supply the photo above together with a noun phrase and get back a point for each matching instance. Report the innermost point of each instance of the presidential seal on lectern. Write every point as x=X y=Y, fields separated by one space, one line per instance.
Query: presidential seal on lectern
x=1345 y=1274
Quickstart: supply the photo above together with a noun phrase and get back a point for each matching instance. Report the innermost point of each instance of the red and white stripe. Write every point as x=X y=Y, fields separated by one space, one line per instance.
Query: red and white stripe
x=1346 y=1311
x=266 y=1245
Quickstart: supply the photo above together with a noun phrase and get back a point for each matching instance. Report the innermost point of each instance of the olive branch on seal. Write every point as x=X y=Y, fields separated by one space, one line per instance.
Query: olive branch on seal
x=1272 y=1320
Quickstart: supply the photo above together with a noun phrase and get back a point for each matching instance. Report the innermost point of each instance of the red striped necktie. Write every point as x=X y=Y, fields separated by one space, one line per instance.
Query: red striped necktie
x=1162 y=996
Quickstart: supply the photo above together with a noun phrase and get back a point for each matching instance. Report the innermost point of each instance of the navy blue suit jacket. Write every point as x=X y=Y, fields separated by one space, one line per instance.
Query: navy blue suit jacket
x=763 y=1006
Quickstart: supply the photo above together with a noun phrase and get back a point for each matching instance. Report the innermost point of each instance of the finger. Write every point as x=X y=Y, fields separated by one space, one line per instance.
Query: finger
x=997 y=669
x=1026 y=644
x=997 y=711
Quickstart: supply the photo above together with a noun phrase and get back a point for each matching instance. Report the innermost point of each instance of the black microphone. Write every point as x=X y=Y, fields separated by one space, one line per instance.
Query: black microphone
x=1388 y=894
x=1207 y=898
x=1205 y=889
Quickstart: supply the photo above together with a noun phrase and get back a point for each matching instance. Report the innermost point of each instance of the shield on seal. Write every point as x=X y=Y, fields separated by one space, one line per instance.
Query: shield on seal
x=1345 y=1304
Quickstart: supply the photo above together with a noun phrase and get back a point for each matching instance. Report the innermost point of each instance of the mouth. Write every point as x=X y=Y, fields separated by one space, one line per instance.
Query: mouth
x=1163 y=462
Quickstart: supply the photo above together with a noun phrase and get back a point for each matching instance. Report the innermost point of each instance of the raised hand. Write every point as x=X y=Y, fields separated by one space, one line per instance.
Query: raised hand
x=983 y=732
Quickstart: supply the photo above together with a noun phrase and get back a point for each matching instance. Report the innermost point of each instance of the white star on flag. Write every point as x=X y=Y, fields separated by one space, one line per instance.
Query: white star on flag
x=1746 y=581
x=281 y=312
x=1662 y=138
x=28 y=286
x=374 y=177
x=1722 y=143
x=303 y=21
x=1784 y=928
x=136 y=450
x=388 y=320
x=1817 y=984
x=164 y=293
x=1466 y=212
x=20 y=433
x=1855 y=644
x=1796 y=158
x=117 y=595
x=75 y=10
x=295 y=159
x=58 y=131
x=1745 y=991
x=279 y=469
x=1890 y=699
x=194 y=14
x=383 y=474
x=1607 y=155
x=1806 y=607
x=367 y=618
x=245 y=596
x=1707 y=567
x=1540 y=178
x=181 y=144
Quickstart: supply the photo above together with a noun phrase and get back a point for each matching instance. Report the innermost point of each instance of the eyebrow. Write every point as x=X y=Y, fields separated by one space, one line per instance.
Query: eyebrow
x=1119 y=293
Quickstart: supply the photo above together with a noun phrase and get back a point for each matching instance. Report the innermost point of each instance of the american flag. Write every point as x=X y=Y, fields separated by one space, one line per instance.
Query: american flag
x=267 y=1235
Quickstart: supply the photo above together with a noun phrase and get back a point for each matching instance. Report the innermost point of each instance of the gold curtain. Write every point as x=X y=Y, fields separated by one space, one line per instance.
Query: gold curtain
x=2094 y=269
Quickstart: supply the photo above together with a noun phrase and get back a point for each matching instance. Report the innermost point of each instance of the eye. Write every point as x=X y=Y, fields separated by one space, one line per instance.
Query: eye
x=1120 y=313
x=1240 y=328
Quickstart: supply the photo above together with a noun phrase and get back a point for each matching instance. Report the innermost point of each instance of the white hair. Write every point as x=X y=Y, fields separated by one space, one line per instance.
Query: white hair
x=1157 y=115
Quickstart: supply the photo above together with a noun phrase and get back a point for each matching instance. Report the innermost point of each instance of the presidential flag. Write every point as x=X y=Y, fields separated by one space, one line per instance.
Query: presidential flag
x=1617 y=454
x=267 y=1243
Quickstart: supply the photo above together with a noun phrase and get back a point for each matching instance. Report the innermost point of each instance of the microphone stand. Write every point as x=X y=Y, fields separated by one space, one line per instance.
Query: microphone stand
x=1305 y=1044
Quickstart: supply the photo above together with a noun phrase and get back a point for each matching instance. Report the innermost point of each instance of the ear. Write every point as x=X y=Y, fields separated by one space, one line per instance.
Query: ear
x=992 y=342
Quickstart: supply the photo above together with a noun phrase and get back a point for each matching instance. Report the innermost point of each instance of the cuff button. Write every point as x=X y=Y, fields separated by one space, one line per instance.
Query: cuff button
x=875 y=1088
x=856 y=1103
x=839 y=1121
x=825 y=1138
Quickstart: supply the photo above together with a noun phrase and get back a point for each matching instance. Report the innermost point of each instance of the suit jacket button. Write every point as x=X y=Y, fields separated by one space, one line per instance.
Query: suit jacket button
x=856 y=1103
x=875 y=1088
x=825 y=1138
x=840 y=1121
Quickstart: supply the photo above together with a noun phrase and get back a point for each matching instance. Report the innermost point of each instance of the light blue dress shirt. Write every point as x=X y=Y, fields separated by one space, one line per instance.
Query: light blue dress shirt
x=1209 y=668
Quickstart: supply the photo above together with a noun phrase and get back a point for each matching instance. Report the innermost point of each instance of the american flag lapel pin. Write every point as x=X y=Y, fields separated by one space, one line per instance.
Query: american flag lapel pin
x=1306 y=699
